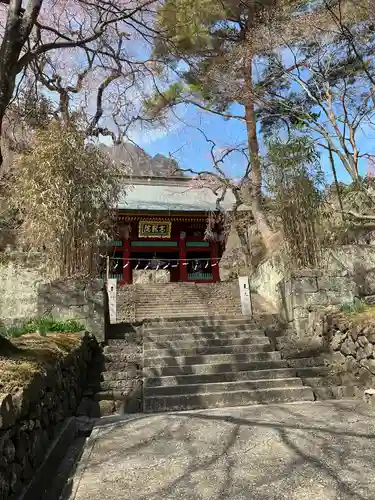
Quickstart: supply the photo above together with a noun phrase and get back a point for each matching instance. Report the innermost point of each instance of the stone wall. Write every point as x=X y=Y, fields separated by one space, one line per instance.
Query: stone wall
x=357 y=261
x=305 y=295
x=307 y=290
x=83 y=300
x=116 y=388
x=20 y=276
x=302 y=296
x=29 y=417
x=352 y=346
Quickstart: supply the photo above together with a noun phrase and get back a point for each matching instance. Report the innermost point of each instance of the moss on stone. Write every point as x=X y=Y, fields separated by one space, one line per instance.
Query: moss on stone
x=32 y=354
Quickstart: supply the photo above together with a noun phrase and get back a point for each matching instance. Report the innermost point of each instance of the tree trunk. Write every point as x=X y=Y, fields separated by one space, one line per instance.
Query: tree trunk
x=19 y=24
x=254 y=187
x=10 y=50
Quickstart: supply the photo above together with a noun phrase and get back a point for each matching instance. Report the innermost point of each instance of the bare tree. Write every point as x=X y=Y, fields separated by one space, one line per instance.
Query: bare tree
x=45 y=37
x=323 y=85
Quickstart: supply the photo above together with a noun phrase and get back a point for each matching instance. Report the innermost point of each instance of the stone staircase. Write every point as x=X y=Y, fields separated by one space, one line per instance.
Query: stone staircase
x=187 y=363
x=150 y=301
x=206 y=362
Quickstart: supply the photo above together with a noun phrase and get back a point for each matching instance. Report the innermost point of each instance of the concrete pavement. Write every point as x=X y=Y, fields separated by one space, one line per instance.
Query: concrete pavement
x=314 y=451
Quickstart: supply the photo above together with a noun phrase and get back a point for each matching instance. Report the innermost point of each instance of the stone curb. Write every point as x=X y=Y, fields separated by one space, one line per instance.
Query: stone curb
x=54 y=455
x=71 y=488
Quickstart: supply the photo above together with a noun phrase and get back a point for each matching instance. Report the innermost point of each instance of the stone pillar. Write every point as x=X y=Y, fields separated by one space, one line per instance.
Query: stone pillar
x=215 y=262
x=112 y=299
x=182 y=256
x=127 y=268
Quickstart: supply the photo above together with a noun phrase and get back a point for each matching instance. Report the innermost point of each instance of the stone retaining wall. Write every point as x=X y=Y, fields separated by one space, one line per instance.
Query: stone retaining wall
x=305 y=291
x=84 y=300
x=20 y=276
x=116 y=388
x=352 y=346
x=29 y=418
x=346 y=261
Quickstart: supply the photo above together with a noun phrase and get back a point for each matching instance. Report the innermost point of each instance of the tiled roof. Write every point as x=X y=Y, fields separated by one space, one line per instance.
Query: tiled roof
x=161 y=194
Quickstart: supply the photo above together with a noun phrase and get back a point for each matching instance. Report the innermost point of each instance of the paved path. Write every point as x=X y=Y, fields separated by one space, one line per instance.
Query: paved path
x=312 y=451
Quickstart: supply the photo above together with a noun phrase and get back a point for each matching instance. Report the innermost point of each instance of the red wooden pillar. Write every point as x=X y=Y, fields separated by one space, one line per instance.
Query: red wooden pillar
x=182 y=257
x=127 y=268
x=215 y=262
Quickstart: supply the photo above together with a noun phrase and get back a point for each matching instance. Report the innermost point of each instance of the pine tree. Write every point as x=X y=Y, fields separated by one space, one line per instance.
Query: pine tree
x=217 y=43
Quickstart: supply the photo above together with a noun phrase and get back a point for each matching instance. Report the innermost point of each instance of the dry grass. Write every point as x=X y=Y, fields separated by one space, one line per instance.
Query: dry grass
x=25 y=357
x=366 y=316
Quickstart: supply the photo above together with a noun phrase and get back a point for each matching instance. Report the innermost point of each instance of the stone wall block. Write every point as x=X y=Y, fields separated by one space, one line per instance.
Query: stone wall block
x=8 y=412
x=362 y=340
x=349 y=348
x=310 y=300
x=340 y=284
x=336 y=341
x=369 y=364
x=361 y=354
x=369 y=350
x=304 y=285
x=366 y=282
x=306 y=273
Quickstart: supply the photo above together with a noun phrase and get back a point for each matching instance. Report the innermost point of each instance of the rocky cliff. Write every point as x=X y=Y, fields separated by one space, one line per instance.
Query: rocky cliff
x=141 y=163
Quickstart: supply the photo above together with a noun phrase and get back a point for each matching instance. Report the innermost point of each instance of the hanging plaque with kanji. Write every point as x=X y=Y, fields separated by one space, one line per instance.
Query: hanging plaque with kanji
x=154 y=229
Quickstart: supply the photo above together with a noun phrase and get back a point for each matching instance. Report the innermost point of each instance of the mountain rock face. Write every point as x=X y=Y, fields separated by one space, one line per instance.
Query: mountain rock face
x=141 y=163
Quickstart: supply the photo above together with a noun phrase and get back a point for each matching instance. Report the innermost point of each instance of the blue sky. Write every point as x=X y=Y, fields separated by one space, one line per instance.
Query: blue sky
x=190 y=148
x=186 y=144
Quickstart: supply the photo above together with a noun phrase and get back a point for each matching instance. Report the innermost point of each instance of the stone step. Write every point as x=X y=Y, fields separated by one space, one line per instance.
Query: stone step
x=202 y=369
x=336 y=392
x=118 y=334
x=224 y=338
x=209 y=378
x=199 y=342
x=180 y=361
x=192 y=351
x=177 y=298
x=205 y=329
x=312 y=371
x=319 y=381
x=163 y=314
x=202 y=320
x=197 y=326
x=306 y=362
x=227 y=399
x=246 y=385
x=184 y=305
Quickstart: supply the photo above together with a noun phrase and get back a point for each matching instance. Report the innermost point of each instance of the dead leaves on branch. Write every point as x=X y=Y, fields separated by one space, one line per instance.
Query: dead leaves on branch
x=66 y=190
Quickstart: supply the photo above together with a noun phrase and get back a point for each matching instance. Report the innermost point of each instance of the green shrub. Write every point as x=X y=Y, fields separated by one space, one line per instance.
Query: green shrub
x=355 y=307
x=42 y=326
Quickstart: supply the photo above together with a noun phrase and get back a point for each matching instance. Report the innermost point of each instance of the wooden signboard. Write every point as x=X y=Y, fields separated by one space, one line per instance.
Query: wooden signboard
x=154 y=229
